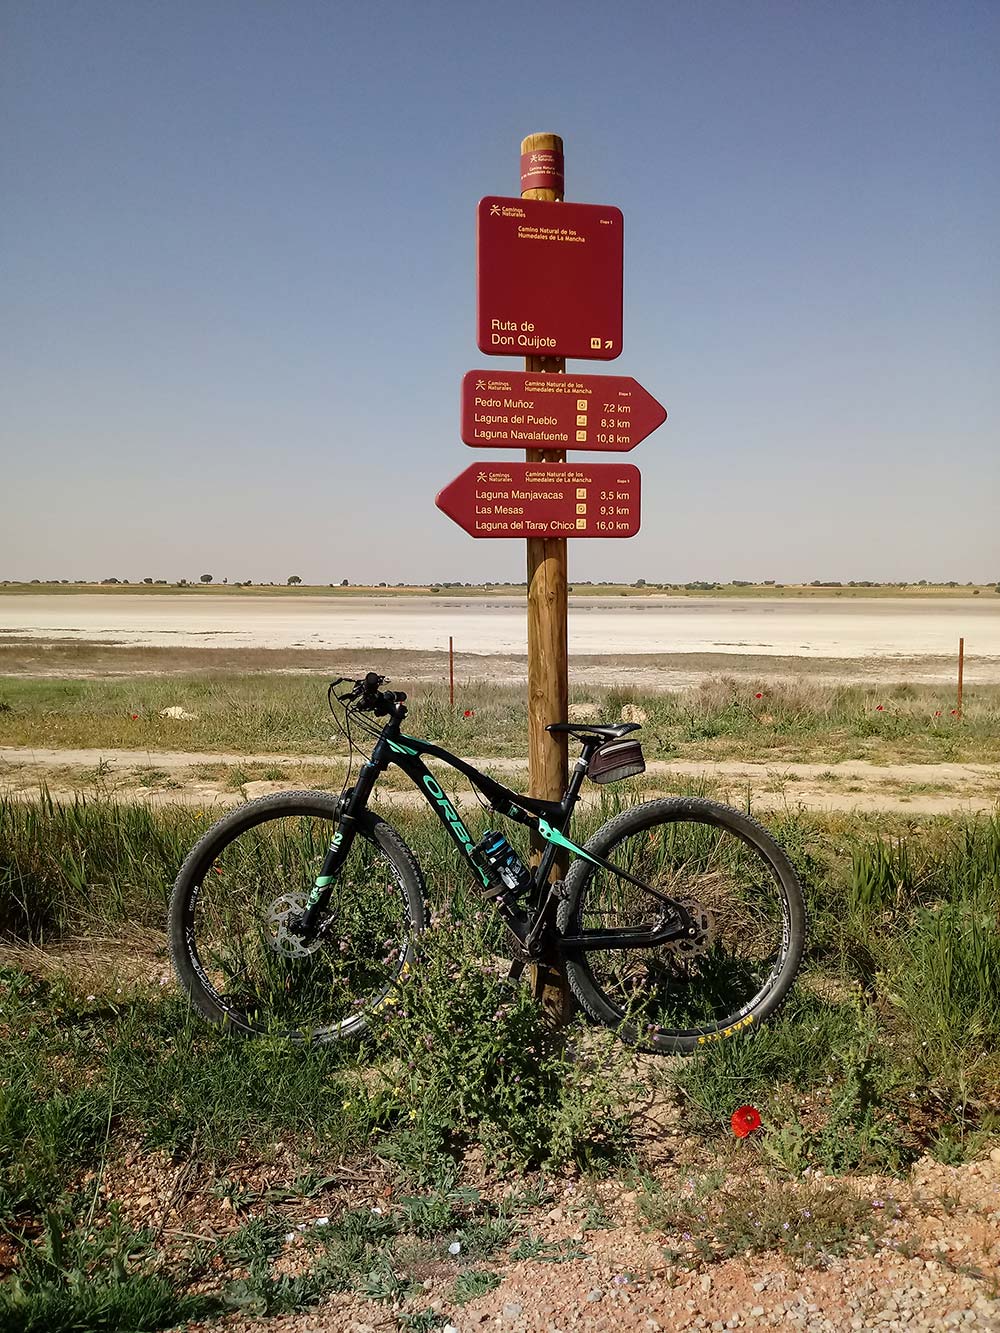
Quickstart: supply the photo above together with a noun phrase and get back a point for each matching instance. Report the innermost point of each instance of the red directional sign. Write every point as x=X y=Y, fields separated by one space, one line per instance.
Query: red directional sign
x=513 y=410
x=544 y=500
x=549 y=279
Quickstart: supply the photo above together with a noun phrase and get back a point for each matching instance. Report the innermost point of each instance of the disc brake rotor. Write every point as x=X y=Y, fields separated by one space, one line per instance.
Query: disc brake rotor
x=283 y=913
x=693 y=946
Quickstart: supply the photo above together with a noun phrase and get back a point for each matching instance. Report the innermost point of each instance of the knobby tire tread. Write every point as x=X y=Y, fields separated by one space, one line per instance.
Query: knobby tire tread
x=246 y=816
x=730 y=818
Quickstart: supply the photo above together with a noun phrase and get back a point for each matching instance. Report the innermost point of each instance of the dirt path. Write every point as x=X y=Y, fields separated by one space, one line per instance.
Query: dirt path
x=932 y=1263
x=190 y=777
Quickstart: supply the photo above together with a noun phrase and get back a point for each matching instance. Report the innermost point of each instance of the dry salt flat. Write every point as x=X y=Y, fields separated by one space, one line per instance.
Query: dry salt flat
x=887 y=628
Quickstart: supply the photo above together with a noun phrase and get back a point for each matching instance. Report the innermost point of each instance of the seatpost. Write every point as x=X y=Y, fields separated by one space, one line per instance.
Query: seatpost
x=576 y=781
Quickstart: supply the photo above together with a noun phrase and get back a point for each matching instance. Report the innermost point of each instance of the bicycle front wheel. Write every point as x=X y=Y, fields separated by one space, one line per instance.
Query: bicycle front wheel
x=742 y=895
x=241 y=887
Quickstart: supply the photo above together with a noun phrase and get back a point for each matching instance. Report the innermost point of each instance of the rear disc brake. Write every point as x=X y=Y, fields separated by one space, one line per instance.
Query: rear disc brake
x=693 y=946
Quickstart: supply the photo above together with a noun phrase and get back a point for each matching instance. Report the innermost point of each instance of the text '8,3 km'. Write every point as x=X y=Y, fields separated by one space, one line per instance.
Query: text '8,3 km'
x=516 y=410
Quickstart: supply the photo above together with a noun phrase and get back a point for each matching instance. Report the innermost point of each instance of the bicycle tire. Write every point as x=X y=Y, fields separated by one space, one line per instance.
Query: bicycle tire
x=668 y=977
x=246 y=850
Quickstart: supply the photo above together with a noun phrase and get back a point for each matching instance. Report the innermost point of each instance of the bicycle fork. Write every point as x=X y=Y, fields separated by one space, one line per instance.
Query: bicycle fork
x=351 y=804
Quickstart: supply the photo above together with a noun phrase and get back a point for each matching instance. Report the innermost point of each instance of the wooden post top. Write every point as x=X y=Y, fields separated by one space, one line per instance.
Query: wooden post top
x=542 y=168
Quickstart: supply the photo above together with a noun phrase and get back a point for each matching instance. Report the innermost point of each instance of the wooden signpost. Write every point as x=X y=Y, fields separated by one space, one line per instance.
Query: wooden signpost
x=548 y=649
x=549 y=286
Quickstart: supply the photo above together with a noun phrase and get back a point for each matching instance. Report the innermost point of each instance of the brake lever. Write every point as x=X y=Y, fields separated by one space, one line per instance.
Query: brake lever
x=360 y=687
x=353 y=693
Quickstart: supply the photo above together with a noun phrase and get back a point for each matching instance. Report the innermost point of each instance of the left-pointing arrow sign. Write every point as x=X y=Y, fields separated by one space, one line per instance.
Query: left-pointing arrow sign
x=493 y=499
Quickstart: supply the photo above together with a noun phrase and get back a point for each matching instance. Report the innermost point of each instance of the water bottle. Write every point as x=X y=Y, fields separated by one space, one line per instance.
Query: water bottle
x=507 y=874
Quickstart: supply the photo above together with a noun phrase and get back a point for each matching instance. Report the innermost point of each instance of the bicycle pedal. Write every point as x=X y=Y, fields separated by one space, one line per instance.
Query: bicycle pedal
x=516 y=970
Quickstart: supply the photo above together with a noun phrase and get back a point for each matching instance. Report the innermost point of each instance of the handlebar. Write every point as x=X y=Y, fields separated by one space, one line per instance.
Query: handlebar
x=366 y=695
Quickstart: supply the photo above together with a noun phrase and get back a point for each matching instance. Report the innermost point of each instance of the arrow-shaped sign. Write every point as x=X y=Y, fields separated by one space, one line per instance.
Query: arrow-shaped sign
x=513 y=410
x=493 y=499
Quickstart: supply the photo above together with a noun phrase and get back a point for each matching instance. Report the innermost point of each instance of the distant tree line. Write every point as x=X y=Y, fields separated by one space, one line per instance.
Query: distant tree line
x=695 y=585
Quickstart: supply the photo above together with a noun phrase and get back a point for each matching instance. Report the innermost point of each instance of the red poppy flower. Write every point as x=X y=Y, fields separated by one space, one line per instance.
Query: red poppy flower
x=758 y=696
x=878 y=708
x=938 y=713
x=954 y=712
x=135 y=717
x=469 y=712
x=745 y=1119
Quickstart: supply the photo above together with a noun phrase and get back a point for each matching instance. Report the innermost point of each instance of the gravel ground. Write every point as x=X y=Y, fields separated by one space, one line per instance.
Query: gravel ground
x=936 y=1266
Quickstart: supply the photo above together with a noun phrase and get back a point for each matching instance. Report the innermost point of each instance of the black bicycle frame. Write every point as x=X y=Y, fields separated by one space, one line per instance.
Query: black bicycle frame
x=550 y=819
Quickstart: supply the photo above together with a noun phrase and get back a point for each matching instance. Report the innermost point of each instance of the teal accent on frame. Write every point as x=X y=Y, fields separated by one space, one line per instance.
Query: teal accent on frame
x=554 y=836
x=400 y=749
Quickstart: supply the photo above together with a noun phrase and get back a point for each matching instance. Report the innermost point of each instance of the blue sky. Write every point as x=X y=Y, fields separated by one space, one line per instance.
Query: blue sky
x=238 y=280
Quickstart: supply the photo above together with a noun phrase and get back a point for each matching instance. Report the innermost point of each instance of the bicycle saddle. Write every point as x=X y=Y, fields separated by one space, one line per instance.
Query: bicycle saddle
x=597 y=730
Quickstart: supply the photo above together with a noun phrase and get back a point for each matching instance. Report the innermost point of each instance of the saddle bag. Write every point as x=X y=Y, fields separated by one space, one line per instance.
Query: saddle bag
x=615 y=760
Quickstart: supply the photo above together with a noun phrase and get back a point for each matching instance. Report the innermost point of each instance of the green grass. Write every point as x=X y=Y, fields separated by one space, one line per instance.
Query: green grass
x=78 y=1068
x=89 y=866
x=902 y=910
x=894 y=1030
x=102 y=1279
x=712 y=1220
x=258 y=713
x=82 y=1279
x=474 y=1283
x=85 y=1075
x=887 y=1048
x=467 y=1049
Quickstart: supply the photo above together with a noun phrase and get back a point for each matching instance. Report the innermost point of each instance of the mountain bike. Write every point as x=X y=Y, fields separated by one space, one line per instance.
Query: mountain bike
x=680 y=922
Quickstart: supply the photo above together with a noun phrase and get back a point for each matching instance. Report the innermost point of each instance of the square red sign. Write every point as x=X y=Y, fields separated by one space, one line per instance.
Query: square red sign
x=549 y=279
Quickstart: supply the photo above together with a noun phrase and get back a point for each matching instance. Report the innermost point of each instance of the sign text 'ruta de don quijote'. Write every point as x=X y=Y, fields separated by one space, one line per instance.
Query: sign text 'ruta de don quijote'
x=549 y=283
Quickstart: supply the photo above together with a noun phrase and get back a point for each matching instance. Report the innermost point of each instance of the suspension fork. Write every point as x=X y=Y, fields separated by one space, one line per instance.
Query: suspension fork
x=349 y=810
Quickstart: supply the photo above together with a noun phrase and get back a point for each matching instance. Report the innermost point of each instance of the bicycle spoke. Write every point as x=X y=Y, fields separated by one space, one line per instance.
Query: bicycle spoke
x=256 y=968
x=735 y=902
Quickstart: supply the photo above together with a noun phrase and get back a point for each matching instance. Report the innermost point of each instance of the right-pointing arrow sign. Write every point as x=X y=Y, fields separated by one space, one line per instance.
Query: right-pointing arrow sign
x=514 y=410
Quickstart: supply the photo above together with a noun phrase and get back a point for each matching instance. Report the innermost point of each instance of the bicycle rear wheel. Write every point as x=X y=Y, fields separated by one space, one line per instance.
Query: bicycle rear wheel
x=231 y=910
x=740 y=890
